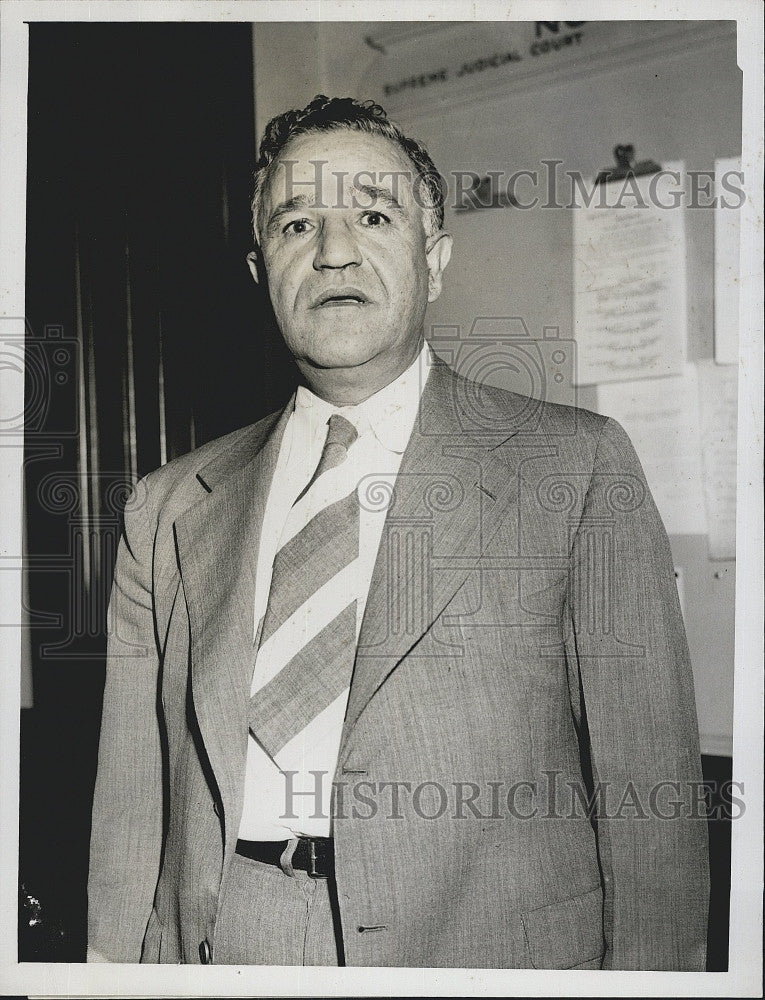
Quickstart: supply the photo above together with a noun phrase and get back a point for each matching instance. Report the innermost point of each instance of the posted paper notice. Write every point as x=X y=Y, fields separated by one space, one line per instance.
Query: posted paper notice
x=661 y=417
x=718 y=399
x=629 y=280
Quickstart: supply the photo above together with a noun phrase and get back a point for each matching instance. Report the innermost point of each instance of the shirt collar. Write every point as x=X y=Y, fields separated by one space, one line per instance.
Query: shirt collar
x=389 y=414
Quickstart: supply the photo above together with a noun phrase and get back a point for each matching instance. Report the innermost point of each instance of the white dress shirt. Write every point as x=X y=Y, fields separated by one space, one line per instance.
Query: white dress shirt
x=274 y=808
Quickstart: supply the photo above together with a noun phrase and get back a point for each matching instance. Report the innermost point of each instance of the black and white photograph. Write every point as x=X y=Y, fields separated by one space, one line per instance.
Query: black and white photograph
x=381 y=437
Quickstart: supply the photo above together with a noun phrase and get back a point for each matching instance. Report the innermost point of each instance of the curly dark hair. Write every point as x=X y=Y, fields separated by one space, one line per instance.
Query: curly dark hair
x=328 y=114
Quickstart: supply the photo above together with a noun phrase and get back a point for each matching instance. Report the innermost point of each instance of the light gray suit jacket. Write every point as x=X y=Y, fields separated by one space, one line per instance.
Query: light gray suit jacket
x=522 y=646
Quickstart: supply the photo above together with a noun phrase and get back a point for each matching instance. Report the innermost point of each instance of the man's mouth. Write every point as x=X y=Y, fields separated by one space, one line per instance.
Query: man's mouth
x=340 y=297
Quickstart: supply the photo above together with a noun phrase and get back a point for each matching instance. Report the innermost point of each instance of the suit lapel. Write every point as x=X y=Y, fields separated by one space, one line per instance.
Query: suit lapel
x=450 y=496
x=217 y=543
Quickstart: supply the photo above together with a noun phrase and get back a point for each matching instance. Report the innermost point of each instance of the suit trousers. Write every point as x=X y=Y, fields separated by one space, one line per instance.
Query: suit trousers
x=270 y=918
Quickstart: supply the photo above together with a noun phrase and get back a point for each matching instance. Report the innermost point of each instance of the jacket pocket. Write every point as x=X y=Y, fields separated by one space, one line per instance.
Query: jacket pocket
x=565 y=934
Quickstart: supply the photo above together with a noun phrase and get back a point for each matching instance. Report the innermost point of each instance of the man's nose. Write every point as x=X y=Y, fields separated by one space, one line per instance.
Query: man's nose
x=337 y=245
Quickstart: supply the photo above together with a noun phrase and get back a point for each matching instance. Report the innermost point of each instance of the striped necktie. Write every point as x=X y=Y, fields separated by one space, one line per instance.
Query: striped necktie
x=308 y=635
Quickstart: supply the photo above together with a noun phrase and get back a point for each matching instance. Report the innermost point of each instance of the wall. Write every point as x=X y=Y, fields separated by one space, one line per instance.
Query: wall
x=296 y=60
x=674 y=91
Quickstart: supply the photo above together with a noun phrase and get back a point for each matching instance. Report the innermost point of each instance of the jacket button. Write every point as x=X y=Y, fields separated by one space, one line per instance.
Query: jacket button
x=205 y=955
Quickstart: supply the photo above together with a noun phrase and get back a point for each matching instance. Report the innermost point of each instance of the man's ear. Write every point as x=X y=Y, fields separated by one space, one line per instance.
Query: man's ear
x=438 y=251
x=255 y=263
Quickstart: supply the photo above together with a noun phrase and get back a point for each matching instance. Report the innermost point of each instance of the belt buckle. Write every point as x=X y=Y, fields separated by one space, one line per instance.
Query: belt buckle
x=288 y=855
x=312 y=872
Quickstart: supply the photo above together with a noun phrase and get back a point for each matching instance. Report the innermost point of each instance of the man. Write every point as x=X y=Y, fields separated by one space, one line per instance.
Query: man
x=397 y=675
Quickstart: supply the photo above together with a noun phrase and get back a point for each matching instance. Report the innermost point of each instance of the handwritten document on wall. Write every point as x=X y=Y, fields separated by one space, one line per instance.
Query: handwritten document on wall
x=661 y=417
x=629 y=280
x=718 y=396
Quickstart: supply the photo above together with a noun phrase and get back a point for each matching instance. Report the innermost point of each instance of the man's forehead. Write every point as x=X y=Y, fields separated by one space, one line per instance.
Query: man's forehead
x=317 y=163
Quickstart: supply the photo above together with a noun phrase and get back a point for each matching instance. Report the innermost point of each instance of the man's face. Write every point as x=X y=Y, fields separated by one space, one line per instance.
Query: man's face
x=350 y=268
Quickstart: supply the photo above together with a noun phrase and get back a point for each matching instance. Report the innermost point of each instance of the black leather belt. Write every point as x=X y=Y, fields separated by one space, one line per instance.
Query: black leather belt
x=315 y=855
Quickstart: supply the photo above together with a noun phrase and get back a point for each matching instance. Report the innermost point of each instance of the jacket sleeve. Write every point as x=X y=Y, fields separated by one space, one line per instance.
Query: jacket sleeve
x=126 y=830
x=634 y=667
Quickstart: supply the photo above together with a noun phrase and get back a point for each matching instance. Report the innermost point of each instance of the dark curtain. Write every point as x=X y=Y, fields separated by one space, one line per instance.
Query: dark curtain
x=146 y=337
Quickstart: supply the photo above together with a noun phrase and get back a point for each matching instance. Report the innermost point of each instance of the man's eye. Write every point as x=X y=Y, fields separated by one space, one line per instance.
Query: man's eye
x=297 y=226
x=374 y=219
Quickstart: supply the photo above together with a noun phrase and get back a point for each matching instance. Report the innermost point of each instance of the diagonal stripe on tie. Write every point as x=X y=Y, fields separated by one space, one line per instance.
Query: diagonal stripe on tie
x=307 y=561
x=311 y=591
x=306 y=623
x=307 y=685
